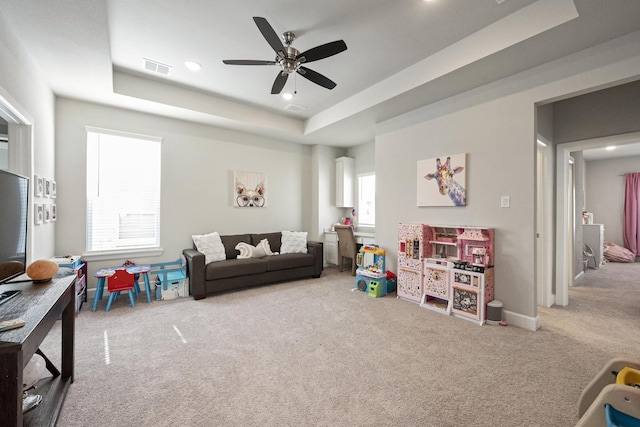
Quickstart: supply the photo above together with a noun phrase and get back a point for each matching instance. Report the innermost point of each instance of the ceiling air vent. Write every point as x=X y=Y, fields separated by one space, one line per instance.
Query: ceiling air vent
x=156 y=67
x=295 y=108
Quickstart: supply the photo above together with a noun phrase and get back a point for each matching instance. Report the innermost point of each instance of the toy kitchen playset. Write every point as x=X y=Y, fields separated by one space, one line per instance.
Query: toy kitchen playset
x=446 y=268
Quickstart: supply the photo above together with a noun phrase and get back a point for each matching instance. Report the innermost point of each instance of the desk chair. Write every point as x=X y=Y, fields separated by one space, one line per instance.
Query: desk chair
x=120 y=281
x=588 y=254
x=347 y=247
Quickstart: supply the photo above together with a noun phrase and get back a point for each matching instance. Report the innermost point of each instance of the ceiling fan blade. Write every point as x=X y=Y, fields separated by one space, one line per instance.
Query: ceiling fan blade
x=323 y=51
x=270 y=35
x=247 y=62
x=279 y=82
x=316 y=77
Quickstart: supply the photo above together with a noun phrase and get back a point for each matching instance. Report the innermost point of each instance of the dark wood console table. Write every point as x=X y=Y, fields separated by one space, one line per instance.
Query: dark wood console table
x=40 y=306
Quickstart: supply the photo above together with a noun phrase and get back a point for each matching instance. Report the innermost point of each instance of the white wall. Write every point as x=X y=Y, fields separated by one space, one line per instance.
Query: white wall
x=197 y=178
x=495 y=126
x=365 y=157
x=605 y=183
x=22 y=85
x=365 y=162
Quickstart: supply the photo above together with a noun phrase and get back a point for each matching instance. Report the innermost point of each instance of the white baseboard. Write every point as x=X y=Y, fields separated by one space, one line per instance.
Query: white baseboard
x=521 y=321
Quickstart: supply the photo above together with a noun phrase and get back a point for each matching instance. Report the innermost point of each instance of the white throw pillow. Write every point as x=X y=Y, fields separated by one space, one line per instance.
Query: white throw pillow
x=266 y=247
x=248 y=251
x=244 y=249
x=294 y=242
x=211 y=246
x=257 y=252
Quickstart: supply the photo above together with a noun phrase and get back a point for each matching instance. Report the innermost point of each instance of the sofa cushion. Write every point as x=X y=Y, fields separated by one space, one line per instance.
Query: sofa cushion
x=285 y=261
x=275 y=240
x=231 y=241
x=235 y=268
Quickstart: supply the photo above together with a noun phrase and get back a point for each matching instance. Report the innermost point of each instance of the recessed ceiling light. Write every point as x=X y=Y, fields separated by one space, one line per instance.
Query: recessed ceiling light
x=610 y=147
x=287 y=96
x=192 y=65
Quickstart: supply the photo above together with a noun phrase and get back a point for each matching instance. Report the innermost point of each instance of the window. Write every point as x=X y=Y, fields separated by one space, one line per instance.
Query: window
x=366 y=210
x=123 y=191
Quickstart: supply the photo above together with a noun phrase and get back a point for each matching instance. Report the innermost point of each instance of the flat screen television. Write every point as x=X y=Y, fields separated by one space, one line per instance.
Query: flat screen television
x=14 y=208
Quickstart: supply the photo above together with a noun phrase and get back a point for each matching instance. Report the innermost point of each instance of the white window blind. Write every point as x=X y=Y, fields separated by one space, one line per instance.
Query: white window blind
x=366 y=211
x=123 y=191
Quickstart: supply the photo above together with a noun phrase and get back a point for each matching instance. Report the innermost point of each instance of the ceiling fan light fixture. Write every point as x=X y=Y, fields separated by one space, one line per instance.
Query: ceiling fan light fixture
x=289 y=59
x=193 y=65
x=288 y=96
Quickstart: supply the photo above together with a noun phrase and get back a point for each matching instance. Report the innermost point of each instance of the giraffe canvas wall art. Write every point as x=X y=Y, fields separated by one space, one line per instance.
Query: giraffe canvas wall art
x=441 y=181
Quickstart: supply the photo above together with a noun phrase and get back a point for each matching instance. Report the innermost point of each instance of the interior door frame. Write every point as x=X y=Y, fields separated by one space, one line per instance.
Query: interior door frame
x=564 y=260
x=20 y=156
x=544 y=223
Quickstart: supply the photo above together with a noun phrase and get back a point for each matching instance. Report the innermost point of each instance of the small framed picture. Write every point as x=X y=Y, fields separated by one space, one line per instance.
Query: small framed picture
x=47 y=213
x=53 y=189
x=47 y=188
x=38 y=215
x=38 y=185
x=54 y=212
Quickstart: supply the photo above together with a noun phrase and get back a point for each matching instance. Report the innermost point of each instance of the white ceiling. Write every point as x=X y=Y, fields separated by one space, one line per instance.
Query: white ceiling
x=401 y=54
x=628 y=150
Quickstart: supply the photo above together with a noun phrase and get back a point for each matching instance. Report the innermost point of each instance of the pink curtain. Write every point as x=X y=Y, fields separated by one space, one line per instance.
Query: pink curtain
x=631 y=220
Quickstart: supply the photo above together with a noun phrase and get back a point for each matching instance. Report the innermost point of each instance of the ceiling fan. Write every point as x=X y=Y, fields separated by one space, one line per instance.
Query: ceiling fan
x=289 y=59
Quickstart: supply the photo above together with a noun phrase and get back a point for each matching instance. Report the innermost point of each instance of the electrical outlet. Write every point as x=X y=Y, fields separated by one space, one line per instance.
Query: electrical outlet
x=505 y=201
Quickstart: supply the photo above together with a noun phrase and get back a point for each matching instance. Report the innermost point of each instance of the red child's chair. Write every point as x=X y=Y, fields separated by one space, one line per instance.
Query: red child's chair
x=120 y=281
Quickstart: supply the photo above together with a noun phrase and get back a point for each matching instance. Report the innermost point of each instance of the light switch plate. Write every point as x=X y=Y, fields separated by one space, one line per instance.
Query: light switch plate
x=505 y=201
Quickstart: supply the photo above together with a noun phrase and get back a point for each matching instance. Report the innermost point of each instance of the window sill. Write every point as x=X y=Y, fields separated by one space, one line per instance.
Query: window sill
x=122 y=253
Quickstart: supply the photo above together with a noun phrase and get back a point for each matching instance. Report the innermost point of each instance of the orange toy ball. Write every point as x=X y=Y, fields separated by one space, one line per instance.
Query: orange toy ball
x=42 y=270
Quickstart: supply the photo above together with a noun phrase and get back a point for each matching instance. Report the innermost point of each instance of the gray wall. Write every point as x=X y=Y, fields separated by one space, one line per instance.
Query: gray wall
x=611 y=111
x=605 y=193
x=544 y=124
x=579 y=173
x=495 y=125
x=23 y=86
x=197 y=171
x=499 y=140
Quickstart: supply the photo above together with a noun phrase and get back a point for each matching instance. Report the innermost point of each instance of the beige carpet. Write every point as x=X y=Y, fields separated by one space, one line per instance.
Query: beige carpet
x=315 y=353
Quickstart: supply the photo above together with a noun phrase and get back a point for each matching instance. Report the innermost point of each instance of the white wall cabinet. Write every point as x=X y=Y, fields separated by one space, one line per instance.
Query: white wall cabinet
x=345 y=182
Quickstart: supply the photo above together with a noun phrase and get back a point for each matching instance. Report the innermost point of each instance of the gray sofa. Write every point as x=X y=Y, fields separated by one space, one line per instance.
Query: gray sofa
x=234 y=273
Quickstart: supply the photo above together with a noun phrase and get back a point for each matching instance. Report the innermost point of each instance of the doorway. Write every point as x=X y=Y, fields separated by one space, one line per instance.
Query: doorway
x=564 y=235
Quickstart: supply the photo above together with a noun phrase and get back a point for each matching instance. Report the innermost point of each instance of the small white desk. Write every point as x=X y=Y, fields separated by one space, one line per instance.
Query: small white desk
x=331 y=244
